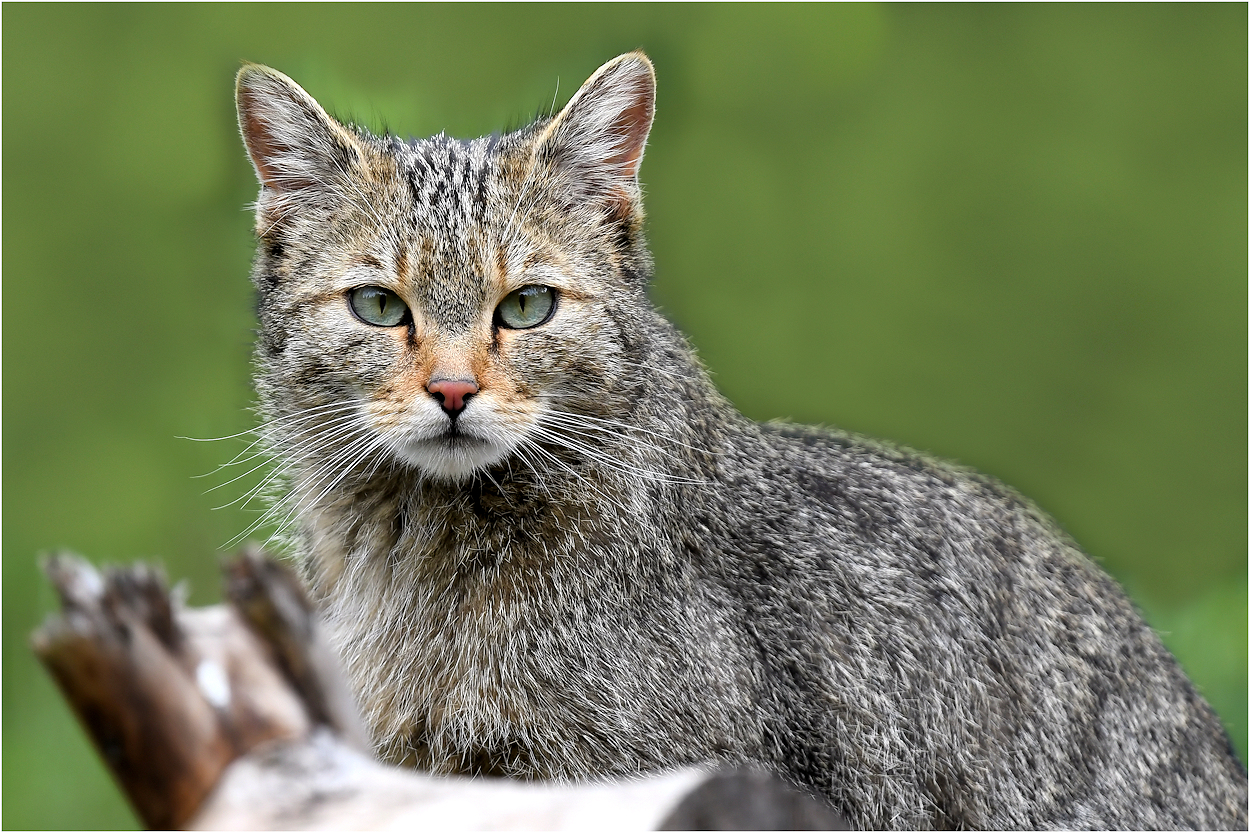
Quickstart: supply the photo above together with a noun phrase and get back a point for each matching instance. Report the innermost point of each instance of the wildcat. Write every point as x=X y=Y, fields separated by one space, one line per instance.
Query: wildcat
x=547 y=547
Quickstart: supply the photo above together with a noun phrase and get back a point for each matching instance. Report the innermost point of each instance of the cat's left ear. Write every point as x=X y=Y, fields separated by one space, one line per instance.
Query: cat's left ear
x=598 y=138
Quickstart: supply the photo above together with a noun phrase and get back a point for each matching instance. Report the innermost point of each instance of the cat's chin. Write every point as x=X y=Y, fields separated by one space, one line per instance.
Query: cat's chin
x=451 y=459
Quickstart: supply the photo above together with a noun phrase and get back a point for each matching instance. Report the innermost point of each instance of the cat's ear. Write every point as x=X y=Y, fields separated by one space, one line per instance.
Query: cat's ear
x=599 y=136
x=299 y=152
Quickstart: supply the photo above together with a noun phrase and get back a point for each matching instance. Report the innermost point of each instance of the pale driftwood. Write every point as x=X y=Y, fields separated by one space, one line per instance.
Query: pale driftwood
x=320 y=784
x=237 y=717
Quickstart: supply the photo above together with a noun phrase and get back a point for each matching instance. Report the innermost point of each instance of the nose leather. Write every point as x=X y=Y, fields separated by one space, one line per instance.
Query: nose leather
x=452 y=394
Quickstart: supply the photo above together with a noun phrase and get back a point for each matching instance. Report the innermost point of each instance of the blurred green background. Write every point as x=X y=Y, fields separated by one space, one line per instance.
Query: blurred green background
x=1015 y=236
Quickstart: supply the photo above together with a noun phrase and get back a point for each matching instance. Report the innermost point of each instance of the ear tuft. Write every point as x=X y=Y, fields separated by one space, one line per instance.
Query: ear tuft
x=295 y=147
x=600 y=134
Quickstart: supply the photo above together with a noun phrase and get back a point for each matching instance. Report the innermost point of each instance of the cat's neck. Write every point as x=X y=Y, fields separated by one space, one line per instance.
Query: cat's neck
x=494 y=519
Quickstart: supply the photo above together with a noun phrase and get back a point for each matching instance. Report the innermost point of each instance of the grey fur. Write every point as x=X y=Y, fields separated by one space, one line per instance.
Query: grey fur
x=605 y=570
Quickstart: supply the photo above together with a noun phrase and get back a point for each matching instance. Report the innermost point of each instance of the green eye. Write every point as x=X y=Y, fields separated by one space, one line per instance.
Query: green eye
x=377 y=306
x=527 y=307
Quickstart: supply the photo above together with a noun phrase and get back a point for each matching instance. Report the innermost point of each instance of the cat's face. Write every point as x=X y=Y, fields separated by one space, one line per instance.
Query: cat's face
x=445 y=304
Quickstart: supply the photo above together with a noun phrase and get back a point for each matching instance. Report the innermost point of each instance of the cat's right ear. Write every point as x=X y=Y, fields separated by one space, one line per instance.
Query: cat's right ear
x=299 y=151
x=597 y=140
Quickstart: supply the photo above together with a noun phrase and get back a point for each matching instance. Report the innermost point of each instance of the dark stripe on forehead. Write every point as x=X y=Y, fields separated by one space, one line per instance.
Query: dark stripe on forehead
x=442 y=172
x=448 y=181
x=488 y=164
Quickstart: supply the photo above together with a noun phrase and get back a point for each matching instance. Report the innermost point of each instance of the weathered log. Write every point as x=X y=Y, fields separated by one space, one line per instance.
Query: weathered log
x=238 y=717
x=319 y=784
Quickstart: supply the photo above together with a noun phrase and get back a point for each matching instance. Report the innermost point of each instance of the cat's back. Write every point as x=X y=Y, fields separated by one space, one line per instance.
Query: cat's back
x=915 y=608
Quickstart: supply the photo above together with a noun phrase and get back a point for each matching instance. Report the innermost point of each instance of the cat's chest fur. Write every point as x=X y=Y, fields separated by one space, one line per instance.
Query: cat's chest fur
x=439 y=607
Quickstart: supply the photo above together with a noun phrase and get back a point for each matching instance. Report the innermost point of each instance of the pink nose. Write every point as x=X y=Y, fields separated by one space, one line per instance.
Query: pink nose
x=452 y=394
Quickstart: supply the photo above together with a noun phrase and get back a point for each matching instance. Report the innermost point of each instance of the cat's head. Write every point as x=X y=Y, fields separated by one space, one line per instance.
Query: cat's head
x=446 y=303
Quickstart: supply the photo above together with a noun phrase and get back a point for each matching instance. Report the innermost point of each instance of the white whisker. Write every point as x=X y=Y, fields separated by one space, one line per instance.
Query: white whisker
x=615 y=430
x=600 y=457
x=554 y=96
x=336 y=429
x=297 y=415
x=571 y=470
x=359 y=451
x=326 y=469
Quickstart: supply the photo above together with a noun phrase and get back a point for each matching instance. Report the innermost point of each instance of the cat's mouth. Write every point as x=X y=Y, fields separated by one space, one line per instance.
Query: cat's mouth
x=455 y=438
x=453 y=455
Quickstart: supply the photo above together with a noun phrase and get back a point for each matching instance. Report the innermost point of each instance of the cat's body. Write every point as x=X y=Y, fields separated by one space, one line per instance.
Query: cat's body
x=546 y=546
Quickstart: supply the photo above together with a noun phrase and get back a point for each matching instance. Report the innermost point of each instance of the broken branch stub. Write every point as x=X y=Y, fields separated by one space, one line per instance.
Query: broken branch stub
x=271 y=599
x=169 y=696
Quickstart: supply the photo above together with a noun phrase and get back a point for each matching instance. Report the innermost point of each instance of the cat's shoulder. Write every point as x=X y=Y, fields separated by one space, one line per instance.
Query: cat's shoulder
x=825 y=461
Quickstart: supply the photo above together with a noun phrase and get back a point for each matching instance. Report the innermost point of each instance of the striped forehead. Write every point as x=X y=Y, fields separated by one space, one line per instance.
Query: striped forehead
x=449 y=181
x=449 y=177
